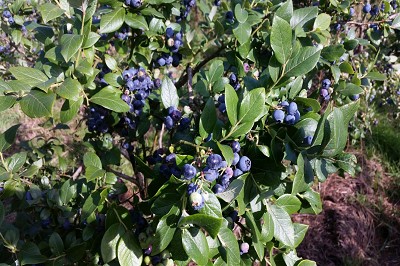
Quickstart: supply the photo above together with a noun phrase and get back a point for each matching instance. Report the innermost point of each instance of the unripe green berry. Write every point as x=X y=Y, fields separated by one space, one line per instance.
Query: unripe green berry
x=147 y=260
x=165 y=255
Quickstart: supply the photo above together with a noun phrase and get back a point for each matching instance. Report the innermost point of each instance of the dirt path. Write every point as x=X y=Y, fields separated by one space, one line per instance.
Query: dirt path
x=360 y=223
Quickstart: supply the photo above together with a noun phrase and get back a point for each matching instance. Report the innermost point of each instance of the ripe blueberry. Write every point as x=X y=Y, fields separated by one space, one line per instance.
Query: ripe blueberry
x=214 y=161
x=292 y=108
x=279 y=115
x=189 y=171
x=235 y=146
x=245 y=164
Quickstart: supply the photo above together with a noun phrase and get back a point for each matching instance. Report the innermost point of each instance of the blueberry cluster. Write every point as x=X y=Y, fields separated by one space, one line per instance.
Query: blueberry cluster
x=185 y=9
x=217 y=169
x=174 y=118
x=4 y=49
x=234 y=82
x=324 y=91
x=292 y=115
x=133 y=3
x=372 y=10
x=169 y=166
x=96 y=121
x=8 y=17
x=138 y=86
x=123 y=34
x=173 y=43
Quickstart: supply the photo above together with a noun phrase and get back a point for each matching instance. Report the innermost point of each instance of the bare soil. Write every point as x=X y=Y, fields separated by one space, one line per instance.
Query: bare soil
x=360 y=221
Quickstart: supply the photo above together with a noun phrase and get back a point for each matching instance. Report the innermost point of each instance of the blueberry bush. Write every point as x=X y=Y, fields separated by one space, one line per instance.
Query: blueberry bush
x=195 y=128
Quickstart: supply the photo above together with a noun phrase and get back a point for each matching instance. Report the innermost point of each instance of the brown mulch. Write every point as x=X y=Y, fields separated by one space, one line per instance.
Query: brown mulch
x=359 y=224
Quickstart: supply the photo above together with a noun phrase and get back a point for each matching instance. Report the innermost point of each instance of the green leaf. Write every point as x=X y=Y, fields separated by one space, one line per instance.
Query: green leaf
x=348 y=111
x=195 y=244
x=313 y=103
x=70 y=89
x=208 y=119
x=227 y=153
x=307 y=263
x=300 y=184
x=136 y=21
x=90 y=40
x=350 y=44
x=289 y=202
x=111 y=62
x=300 y=231
x=211 y=224
x=28 y=75
x=91 y=203
x=232 y=192
x=302 y=16
x=241 y=14
x=4 y=87
x=30 y=254
x=112 y=21
x=322 y=22
x=38 y=104
x=346 y=68
x=56 y=244
x=2 y=212
x=283 y=226
x=242 y=32
x=376 y=76
x=335 y=135
x=274 y=68
x=252 y=105
x=396 y=22
x=314 y=199
x=7 y=102
x=333 y=52
x=303 y=61
x=16 y=161
x=165 y=230
x=7 y=138
x=267 y=229
x=110 y=98
x=255 y=235
x=128 y=251
x=285 y=11
x=49 y=11
x=109 y=242
x=212 y=207
x=68 y=191
x=229 y=246
x=351 y=89
x=69 y=110
x=231 y=102
x=70 y=44
x=91 y=159
x=216 y=71
x=163 y=204
x=169 y=94
x=281 y=39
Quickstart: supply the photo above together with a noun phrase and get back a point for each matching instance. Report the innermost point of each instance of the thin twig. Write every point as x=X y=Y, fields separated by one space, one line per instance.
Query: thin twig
x=77 y=172
x=125 y=177
x=184 y=78
x=160 y=139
